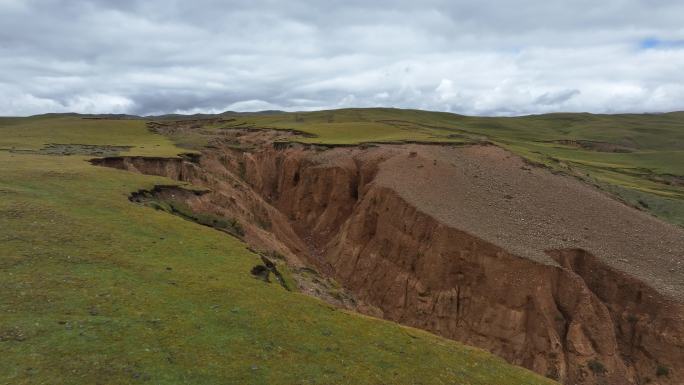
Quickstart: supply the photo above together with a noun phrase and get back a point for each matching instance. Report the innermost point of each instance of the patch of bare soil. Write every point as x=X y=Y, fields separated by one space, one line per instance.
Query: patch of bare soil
x=668 y=179
x=494 y=194
x=468 y=242
x=76 y=149
x=595 y=146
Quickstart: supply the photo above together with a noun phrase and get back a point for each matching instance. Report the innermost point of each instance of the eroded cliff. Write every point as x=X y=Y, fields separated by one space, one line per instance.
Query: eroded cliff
x=470 y=243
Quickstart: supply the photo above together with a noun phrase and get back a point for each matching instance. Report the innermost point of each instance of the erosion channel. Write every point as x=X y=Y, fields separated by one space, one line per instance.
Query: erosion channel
x=469 y=242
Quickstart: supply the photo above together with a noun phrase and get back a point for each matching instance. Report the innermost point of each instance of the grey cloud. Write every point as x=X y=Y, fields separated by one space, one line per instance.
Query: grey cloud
x=487 y=57
x=554 y=98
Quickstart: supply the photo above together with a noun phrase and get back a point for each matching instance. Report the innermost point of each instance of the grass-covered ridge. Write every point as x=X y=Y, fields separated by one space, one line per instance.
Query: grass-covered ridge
x=97 y=290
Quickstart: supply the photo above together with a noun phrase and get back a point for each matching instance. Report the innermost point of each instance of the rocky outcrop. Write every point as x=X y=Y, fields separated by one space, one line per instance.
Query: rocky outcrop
x=578 y=320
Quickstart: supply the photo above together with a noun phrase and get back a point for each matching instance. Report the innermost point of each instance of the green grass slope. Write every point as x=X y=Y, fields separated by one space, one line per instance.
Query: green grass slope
x=97 y=290
x=637 y=157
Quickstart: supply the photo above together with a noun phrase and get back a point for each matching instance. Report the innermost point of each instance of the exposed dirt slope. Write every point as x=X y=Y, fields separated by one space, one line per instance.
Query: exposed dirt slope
x=468 y=242
x=527 y=210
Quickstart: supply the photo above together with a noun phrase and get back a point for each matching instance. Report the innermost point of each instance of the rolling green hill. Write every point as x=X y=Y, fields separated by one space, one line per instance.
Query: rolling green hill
x=96 y=290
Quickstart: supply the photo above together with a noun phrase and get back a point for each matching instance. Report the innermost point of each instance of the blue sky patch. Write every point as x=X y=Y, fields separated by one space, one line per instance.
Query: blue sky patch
x=655 y=43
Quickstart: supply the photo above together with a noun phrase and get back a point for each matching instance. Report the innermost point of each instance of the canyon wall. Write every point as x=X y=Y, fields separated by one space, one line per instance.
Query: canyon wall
x=577 y=320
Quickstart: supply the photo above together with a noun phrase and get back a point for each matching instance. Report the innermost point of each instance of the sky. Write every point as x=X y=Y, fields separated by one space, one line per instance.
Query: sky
x=485 y=57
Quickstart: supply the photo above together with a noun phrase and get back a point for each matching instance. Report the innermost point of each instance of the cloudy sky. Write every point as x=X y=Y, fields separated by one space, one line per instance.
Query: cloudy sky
x=485 y=57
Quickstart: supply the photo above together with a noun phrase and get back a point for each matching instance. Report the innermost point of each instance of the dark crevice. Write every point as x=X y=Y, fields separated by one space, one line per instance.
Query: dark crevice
x=264 y=271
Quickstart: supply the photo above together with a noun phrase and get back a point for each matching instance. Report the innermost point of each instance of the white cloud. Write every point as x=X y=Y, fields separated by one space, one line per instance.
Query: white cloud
x=490 y=57
x=252 y=105
x=17 y=104
x=12 y=5
x=99 y=104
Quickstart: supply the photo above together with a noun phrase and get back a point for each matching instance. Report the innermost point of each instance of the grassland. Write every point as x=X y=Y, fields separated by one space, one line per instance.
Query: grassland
x=96 y=290
x=639 y=158
x=33 y=134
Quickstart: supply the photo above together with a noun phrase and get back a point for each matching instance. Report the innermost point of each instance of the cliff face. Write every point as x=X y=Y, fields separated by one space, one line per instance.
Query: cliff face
x=570 y=315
